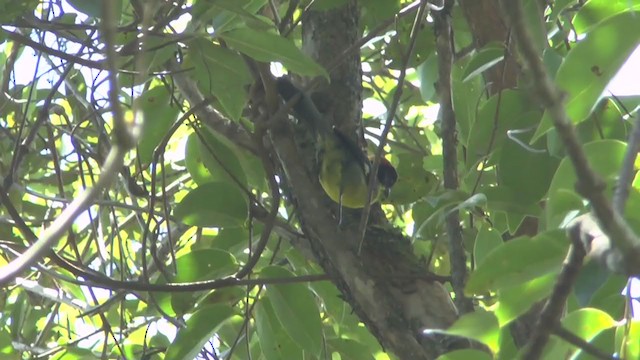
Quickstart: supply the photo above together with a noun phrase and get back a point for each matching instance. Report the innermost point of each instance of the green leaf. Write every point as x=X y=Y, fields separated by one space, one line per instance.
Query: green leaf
x=519 y=260
x=350 y=349
x=516 y=300
x=324 y=5
x=221 y=72
x=274 y=341
x=296 y=308
x=220 y=158
x=204 y=264
x=93 y=8
x=334 y=305
x=414 y=182
x=465 y=96
x=193 y=160
x=605 y=158
x=515 y=111
x=490 y=55
x=596 y=11
x=159 y=115
x=465 y=355
x=487 y=240
x=608 y=297
x=252 y=43
x=197 y=265
x=428 y=72
x=448 y=202
x=588 y=322
x=591 y=278
x=585 y=323
x=70 y=353
x=531 y=185
x=592 y=63
x=631 y=345
x=559 y=6
x=199 y=329
x=225 y=15
x=479 y=325
x=215 y=204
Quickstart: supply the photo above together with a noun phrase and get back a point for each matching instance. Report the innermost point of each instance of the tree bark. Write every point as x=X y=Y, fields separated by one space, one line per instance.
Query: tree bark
x=388 y=287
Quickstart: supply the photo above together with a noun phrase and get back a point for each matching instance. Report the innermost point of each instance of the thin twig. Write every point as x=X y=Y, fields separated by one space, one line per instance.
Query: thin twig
x=627 y=170
x=579 y=342
x=552 y=311
x=415 y=29
x=444 y=47
x=114 y=161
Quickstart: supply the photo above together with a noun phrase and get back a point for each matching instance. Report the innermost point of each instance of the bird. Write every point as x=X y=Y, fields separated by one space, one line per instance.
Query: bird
x=344 y=168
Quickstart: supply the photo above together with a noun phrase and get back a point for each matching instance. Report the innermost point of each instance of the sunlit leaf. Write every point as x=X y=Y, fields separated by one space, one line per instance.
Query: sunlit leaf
x=592 y=63
x=200 y=327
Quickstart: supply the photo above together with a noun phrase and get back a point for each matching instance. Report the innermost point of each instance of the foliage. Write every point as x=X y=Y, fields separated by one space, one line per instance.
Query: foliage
x=190 y=204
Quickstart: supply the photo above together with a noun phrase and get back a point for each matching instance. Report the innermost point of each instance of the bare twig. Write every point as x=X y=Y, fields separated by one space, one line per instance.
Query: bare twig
x=552 y=311
x=579 y=342
x=444 y=47
x=415 y=29
x=627 y=171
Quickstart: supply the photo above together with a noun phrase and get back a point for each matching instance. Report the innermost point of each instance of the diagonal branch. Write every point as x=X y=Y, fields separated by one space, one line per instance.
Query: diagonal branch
x=589 y=184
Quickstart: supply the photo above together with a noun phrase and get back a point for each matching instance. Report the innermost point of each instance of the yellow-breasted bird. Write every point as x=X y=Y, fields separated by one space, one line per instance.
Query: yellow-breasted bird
x=344 y=168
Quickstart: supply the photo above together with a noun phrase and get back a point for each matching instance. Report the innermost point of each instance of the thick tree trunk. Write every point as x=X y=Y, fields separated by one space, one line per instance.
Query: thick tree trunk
x=387 y=286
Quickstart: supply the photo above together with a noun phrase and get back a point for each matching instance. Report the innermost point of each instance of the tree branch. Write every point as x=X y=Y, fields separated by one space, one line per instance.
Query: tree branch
x=552 y=311
x=589 y=184
x=444 y=47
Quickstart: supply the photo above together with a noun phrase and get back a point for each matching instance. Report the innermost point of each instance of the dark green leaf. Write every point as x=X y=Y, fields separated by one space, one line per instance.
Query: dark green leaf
x=526 y=173
x=274 y=341
x=490 y=55
x=489 y=131
x=252 y=43
x=93 y=8
x=296 y=309
x=465 y=96
x=225 y=15
x=466 y=354
x=350 y=349
x=414 y=182
x=221 y=72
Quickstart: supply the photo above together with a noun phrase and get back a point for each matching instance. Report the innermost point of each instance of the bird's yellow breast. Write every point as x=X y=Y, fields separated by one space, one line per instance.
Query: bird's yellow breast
x=341 y=172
